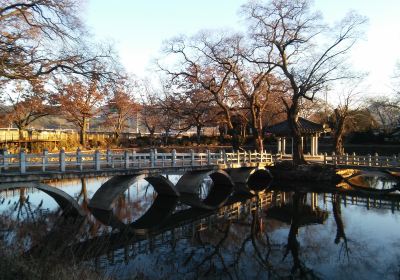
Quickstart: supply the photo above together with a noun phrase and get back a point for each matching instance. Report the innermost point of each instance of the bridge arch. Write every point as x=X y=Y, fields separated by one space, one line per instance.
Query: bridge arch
x=250 y=179
x=189 y=186
x=102 y=202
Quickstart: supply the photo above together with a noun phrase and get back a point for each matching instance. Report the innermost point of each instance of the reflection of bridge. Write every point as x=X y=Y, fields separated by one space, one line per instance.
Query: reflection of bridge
x=180 y=225
x=28 y=167
x=162 y=224
x=387 y=202
x=185 y=223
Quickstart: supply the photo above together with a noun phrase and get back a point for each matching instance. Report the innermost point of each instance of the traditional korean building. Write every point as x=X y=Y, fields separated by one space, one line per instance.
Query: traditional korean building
x=310 y=132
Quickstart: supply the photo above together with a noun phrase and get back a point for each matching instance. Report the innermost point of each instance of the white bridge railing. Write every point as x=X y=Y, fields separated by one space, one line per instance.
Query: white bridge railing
x=120 y=159
x=362 y=160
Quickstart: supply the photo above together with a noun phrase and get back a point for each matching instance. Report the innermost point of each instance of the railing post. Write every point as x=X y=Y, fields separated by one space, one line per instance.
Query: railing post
x=79 y=159
x=369 y=160
x=346 y=158
x=376 y=159
x=45 y=160
x=225 y=157
x=126 y=157
x=62 y=160
x=173 y=158
x=325 y=158
x=354 y=158
x=191 y=157
x=109 y=157
x=97 y=160
x=22 y=161
x=152 y=158
x=394 y=161
x=134 y=157
x=5 y=159
x=334 y=159
x=238 y=156
x=208 y=157
x=221 y=156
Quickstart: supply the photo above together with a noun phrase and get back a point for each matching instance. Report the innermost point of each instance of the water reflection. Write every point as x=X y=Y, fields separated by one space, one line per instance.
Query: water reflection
x=277 y=233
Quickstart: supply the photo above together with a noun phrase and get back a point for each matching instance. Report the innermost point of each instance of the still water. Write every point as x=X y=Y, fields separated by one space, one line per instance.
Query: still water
x=276 y=233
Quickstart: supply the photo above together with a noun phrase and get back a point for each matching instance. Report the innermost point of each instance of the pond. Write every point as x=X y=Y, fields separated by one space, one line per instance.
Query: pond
x=275 y=233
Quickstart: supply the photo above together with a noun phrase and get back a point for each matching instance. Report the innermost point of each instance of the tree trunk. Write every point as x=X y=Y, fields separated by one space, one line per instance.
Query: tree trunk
x=258 y=139
x=298 y=155
x=257 y=131
x=339 y=149
x=337 y=214
x=293 y=245
x=235 y=138
x=222 y=133
x=198 y=134
x=234 y=130
x=82 y=133
x=166 y=137
x=151 y=137
x=339 y=131
x=21 y=133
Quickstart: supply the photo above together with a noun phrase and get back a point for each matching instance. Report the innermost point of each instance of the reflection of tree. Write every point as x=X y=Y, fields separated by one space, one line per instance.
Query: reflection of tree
x=24 y=223
x=257 y=240
x=23 y=204
x=293 y=246
x=216 y=252
x=83 y=195
x=340 y=234
x=228 y=245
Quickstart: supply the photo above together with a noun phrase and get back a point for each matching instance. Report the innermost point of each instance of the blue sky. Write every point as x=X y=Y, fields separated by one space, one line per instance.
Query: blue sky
x=138 y=28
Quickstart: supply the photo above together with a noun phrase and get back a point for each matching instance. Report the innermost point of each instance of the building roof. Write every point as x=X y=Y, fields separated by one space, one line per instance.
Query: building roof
x=306 y=127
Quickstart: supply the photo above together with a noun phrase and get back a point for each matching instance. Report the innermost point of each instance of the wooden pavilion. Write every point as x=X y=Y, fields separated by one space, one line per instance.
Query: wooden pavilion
x=310 y=132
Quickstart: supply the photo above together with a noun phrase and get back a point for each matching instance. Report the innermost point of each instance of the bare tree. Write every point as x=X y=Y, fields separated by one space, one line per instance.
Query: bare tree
x=150 y=111
x=255 y=87
x=293 y=39
x=79 y=100
x=396 y=80
x=191 y=108
x=387 y=111
x=27 y=102
x=41 y=37
x=341 y=119
x=121 y=106
x=207 y=62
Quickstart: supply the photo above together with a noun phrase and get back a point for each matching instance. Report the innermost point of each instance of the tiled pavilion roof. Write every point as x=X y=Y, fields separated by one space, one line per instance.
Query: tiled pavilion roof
x=306 y=128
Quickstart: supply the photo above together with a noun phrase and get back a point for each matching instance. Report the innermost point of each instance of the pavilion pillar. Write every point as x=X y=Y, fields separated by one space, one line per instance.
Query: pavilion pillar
x=312 y=145
x=302 y=143
x=316 y=144
x=283 y=145
x=314 y=201
x=279 y=145
x=292 y=145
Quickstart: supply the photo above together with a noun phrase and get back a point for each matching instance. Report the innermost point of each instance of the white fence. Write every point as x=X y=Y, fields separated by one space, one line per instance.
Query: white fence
x=120 y=159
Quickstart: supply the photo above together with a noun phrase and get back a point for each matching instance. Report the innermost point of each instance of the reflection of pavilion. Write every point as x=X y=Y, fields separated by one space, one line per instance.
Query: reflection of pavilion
x=309 y=130
x=308 y=214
